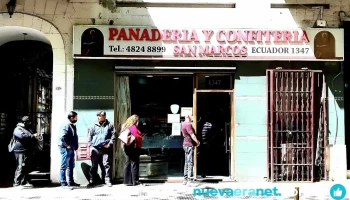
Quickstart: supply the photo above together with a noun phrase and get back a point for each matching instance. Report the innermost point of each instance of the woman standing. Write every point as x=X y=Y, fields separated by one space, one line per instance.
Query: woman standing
x=132 y=152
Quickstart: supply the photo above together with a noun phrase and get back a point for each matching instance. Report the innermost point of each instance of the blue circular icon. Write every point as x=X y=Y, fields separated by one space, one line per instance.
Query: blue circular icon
x=338 y=192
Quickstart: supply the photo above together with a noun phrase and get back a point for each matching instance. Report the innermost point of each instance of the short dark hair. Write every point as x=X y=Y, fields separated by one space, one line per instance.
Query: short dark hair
x=72 y=114
x=25 y=119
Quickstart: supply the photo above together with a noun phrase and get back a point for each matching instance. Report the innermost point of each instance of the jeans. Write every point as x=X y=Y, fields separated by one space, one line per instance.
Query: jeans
x=67 y=165
x=102 y=157
x=22 y=170
x=132 y=165
x=188 y=170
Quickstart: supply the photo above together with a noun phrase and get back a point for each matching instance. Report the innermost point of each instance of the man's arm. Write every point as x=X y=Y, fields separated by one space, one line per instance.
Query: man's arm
x=21 y=134
x=190 y=131
x=91 y=134
x=112 y=140
x=64 y=136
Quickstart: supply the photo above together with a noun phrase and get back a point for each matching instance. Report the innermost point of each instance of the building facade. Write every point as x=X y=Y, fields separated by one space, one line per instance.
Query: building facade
x=88 y=85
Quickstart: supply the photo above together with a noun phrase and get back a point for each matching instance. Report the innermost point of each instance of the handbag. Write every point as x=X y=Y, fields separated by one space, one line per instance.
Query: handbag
x=12 y=144
x=126 y=137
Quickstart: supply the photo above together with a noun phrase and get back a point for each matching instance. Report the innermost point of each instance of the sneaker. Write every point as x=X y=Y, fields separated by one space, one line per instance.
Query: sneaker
x=28 y=185
x=184 y=182
x=109 y=184
x=192 y=184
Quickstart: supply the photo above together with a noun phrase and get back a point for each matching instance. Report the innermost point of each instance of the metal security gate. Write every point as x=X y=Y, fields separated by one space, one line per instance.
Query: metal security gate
x=296 y=125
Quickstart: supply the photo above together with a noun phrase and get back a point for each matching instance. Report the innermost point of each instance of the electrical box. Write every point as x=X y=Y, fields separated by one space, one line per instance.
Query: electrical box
x=321 y=23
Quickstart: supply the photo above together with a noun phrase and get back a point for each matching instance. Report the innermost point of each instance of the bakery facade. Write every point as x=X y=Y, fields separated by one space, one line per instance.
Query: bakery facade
x=265 y=78
x=266 y=92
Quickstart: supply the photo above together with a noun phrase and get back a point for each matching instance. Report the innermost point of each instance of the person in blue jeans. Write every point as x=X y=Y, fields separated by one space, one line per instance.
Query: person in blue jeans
x=68 y=144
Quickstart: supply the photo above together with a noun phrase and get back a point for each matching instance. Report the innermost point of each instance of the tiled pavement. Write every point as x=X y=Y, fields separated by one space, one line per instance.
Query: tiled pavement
x=175 y=191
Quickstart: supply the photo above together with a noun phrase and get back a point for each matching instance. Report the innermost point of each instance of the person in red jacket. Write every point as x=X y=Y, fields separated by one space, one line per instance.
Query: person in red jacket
x=132 y=152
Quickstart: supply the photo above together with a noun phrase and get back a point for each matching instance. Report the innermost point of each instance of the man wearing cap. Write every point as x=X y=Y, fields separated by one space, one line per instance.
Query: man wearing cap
x=23 y=149
x=101 y=139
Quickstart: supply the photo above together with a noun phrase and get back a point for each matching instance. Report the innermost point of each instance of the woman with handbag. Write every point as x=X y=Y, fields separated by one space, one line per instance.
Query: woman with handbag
x=132 y=151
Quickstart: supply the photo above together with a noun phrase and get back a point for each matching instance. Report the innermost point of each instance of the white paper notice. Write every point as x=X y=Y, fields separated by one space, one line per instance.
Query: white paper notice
x=186 y=111
x=173 y=118
x=176 y=129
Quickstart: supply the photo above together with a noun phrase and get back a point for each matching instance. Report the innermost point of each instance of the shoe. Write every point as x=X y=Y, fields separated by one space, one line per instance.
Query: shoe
x=203 y=176
x=74 y=184
x=27 y=185
x=92 y=184
x=184 y=182
x=192 y=184
x=109 y=184
x=68 y=187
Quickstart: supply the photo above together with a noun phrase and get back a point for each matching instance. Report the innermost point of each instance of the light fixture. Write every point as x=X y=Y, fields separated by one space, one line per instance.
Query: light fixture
x=176 y=78
x=149 y=76
x=206 y=76
x=174 y=108
x=11 y=6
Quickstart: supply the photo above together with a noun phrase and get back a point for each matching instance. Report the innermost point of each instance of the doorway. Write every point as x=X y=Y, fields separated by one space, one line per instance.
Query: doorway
x=213 y=110
x=213 y=128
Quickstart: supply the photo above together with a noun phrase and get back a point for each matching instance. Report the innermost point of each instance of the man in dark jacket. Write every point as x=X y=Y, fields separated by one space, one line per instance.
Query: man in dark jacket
x=23 y=149
x=68 y=143
x=206 y=137
x=101 y=139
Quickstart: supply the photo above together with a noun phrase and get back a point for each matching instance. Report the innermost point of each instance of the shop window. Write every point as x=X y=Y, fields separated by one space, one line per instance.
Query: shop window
x=151 y=99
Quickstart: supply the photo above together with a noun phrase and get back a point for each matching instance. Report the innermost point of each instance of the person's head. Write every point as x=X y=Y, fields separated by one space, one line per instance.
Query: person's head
x=132 y=120
x=101 y=116
x=188 y=118
x=72 y=117
x=26 y=121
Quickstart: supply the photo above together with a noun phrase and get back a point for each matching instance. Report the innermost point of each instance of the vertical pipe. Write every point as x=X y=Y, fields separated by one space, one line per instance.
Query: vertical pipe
x=268 y=86
x=195 y=84
x=273 y=74
x=312 y=124
x=324 y=90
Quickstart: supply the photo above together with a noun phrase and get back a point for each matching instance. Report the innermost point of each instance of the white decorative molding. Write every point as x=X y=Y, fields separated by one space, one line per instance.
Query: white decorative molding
x=94 y=97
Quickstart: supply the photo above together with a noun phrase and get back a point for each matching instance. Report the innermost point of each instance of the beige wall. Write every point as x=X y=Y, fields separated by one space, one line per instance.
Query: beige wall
x=55 y=19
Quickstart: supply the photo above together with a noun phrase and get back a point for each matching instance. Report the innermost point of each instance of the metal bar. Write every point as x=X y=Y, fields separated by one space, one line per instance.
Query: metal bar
x=174 y=5
x=324 y=90
x=312 y=124
x=300 y=6
x=272 y=76
x=268 y=124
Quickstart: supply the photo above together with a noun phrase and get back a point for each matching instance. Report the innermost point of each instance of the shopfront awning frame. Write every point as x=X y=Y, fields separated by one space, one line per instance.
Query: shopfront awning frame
x=172 y=70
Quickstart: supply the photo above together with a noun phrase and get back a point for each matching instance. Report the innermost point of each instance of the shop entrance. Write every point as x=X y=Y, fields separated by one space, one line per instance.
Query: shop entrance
x=213 y=130
x=213 y=111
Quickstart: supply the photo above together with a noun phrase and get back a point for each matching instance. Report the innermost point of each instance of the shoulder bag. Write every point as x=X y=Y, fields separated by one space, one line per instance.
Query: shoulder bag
x=126 y=137
x=12 y=144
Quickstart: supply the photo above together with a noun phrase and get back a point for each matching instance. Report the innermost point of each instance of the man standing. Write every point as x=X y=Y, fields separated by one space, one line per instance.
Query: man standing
x=23 y=149
x=101 y=139
x=206 y=137
x=68 y=143
x=190 y=138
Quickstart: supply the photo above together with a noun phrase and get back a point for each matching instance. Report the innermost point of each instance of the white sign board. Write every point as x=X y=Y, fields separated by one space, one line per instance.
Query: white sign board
x=186 y=111
x=176 y=129
x=173 y=118
x=211 y=44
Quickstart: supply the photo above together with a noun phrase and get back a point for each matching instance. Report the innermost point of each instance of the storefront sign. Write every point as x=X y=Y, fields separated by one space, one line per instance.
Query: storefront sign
x=214 y=44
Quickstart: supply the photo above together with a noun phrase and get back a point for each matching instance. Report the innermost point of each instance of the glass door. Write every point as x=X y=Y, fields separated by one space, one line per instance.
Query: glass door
x=213 y=114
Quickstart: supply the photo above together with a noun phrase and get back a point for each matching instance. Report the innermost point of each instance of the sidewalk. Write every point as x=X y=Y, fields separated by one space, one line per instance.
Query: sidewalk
x=176 y=191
